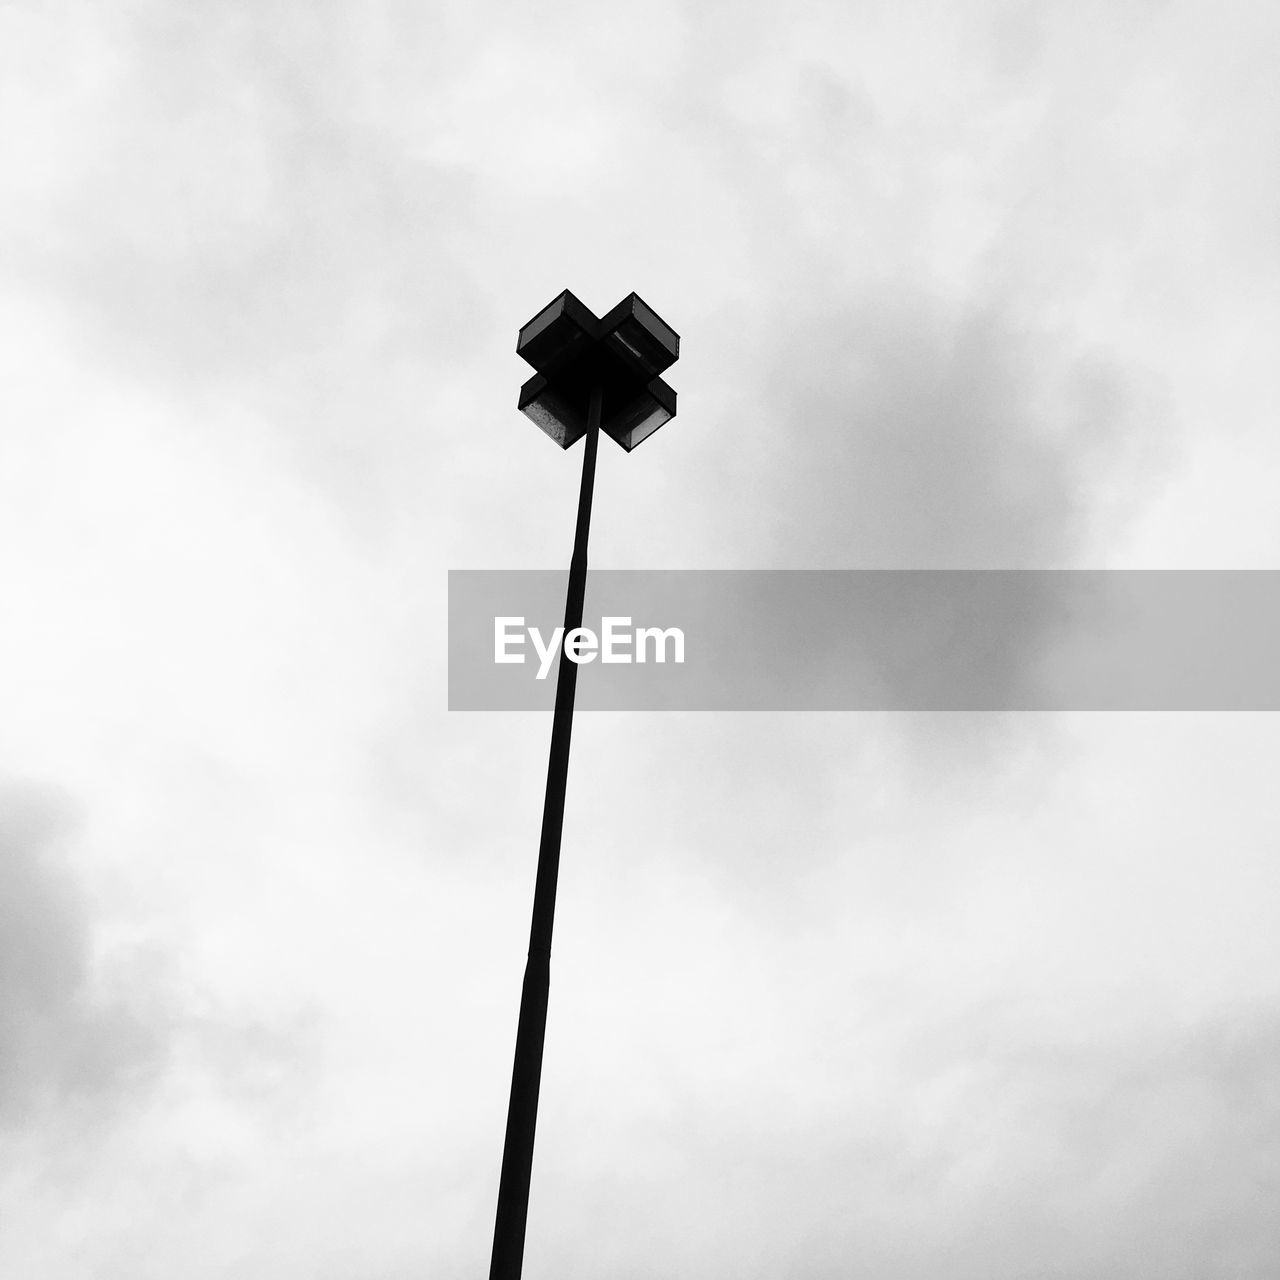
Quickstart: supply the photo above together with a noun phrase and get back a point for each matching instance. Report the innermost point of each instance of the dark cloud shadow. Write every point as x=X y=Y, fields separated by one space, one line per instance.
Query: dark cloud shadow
x=62 y=1043
x=912 y=434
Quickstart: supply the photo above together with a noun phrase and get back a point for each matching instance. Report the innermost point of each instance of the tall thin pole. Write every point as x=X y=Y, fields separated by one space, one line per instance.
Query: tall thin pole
x=526 y=1073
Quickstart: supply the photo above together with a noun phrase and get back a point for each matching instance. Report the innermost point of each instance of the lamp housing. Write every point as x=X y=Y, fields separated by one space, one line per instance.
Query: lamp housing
x=622 y=354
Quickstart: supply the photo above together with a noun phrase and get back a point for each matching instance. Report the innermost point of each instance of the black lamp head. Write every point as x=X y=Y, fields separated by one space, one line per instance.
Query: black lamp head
x=623 y=354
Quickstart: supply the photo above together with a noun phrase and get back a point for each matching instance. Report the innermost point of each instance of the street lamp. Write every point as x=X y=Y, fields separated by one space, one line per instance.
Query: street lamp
x=592 y=375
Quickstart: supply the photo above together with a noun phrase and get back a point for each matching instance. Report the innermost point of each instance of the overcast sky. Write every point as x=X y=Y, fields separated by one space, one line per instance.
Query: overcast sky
x=982 y=284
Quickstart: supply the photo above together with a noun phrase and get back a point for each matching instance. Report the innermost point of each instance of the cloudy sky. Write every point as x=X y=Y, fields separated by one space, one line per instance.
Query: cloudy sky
x=985 y=285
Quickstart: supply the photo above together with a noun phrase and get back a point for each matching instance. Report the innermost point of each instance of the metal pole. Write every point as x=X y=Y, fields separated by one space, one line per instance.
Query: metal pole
x=526 y=1073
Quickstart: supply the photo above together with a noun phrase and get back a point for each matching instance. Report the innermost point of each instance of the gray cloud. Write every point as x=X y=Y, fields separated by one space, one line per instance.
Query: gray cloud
x=918 y=437
x=242 y=235
x=59 y=1040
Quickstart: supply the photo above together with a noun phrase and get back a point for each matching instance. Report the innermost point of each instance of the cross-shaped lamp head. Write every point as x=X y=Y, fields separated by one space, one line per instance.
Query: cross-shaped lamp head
x=623 y=354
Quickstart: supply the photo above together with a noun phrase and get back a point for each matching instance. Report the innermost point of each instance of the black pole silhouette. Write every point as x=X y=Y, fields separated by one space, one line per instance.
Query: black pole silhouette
x=526 y=1073
x=581 y=361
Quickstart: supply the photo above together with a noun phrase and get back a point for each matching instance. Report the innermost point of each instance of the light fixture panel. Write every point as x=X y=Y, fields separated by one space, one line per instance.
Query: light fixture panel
x=546 y=406
x=558 y=335
x=637 y=334
x=647 y=410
